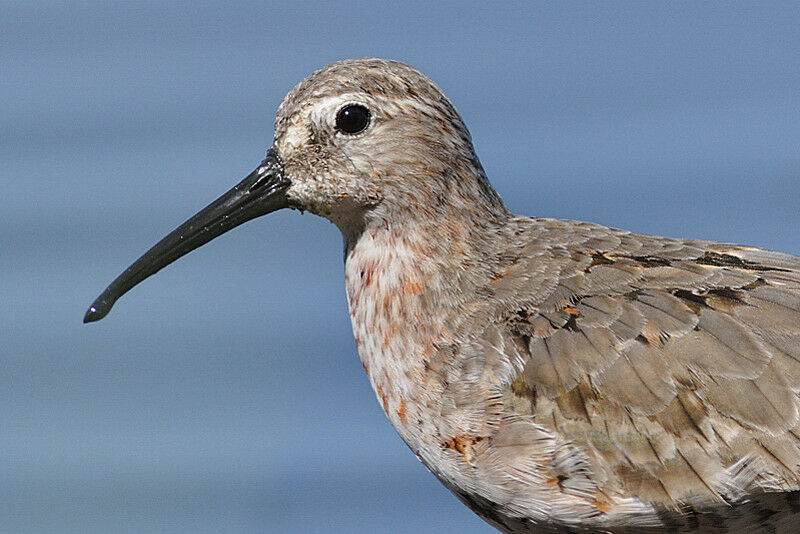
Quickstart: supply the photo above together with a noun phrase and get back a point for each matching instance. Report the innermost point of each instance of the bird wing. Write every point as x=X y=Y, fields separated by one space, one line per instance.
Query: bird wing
x=674 y=365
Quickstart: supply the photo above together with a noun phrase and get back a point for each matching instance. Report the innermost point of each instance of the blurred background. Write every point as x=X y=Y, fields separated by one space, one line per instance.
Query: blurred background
x=225 y=394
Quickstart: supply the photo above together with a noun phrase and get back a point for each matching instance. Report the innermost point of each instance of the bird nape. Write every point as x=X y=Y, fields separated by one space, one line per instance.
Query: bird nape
x=556 y=375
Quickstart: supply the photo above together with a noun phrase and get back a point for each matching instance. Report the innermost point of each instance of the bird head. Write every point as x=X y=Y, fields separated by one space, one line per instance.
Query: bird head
x=357 y=141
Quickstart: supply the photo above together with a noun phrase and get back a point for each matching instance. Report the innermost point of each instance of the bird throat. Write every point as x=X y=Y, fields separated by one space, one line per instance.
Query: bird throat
x=395 y=279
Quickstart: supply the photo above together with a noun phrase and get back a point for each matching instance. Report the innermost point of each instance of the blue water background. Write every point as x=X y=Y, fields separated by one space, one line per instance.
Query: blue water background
x=225 y=394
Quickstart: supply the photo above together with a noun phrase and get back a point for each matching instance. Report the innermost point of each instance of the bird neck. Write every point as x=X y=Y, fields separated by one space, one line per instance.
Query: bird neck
x=404 y=284
x=424 y=252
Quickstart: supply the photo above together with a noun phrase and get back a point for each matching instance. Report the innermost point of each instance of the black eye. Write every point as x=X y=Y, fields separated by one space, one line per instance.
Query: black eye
x=352 y=119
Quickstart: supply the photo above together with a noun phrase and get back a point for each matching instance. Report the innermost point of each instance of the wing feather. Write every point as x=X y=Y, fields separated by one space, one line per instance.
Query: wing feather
x=674 y=364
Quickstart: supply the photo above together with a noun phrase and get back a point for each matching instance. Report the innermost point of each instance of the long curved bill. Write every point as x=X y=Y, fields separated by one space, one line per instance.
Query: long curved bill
x=262 y=192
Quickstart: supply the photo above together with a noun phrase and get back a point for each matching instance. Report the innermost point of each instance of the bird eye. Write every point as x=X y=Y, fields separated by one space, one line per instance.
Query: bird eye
x=352 y=119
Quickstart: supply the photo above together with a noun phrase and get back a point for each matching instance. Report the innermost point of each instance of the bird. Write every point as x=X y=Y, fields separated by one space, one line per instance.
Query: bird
x=555 y=375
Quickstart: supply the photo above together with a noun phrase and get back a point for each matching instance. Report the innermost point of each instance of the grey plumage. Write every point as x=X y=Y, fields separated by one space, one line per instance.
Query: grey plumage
x=557 y=376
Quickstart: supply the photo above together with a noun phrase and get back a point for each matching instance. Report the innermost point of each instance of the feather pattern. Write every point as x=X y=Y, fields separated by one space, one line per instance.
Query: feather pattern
x=676 y=363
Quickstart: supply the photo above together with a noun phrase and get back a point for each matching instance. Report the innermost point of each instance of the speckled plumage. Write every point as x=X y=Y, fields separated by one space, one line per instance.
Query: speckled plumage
x=557 y=376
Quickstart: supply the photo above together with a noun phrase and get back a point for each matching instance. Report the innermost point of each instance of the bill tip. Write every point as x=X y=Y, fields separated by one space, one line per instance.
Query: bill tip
x=95 y=313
